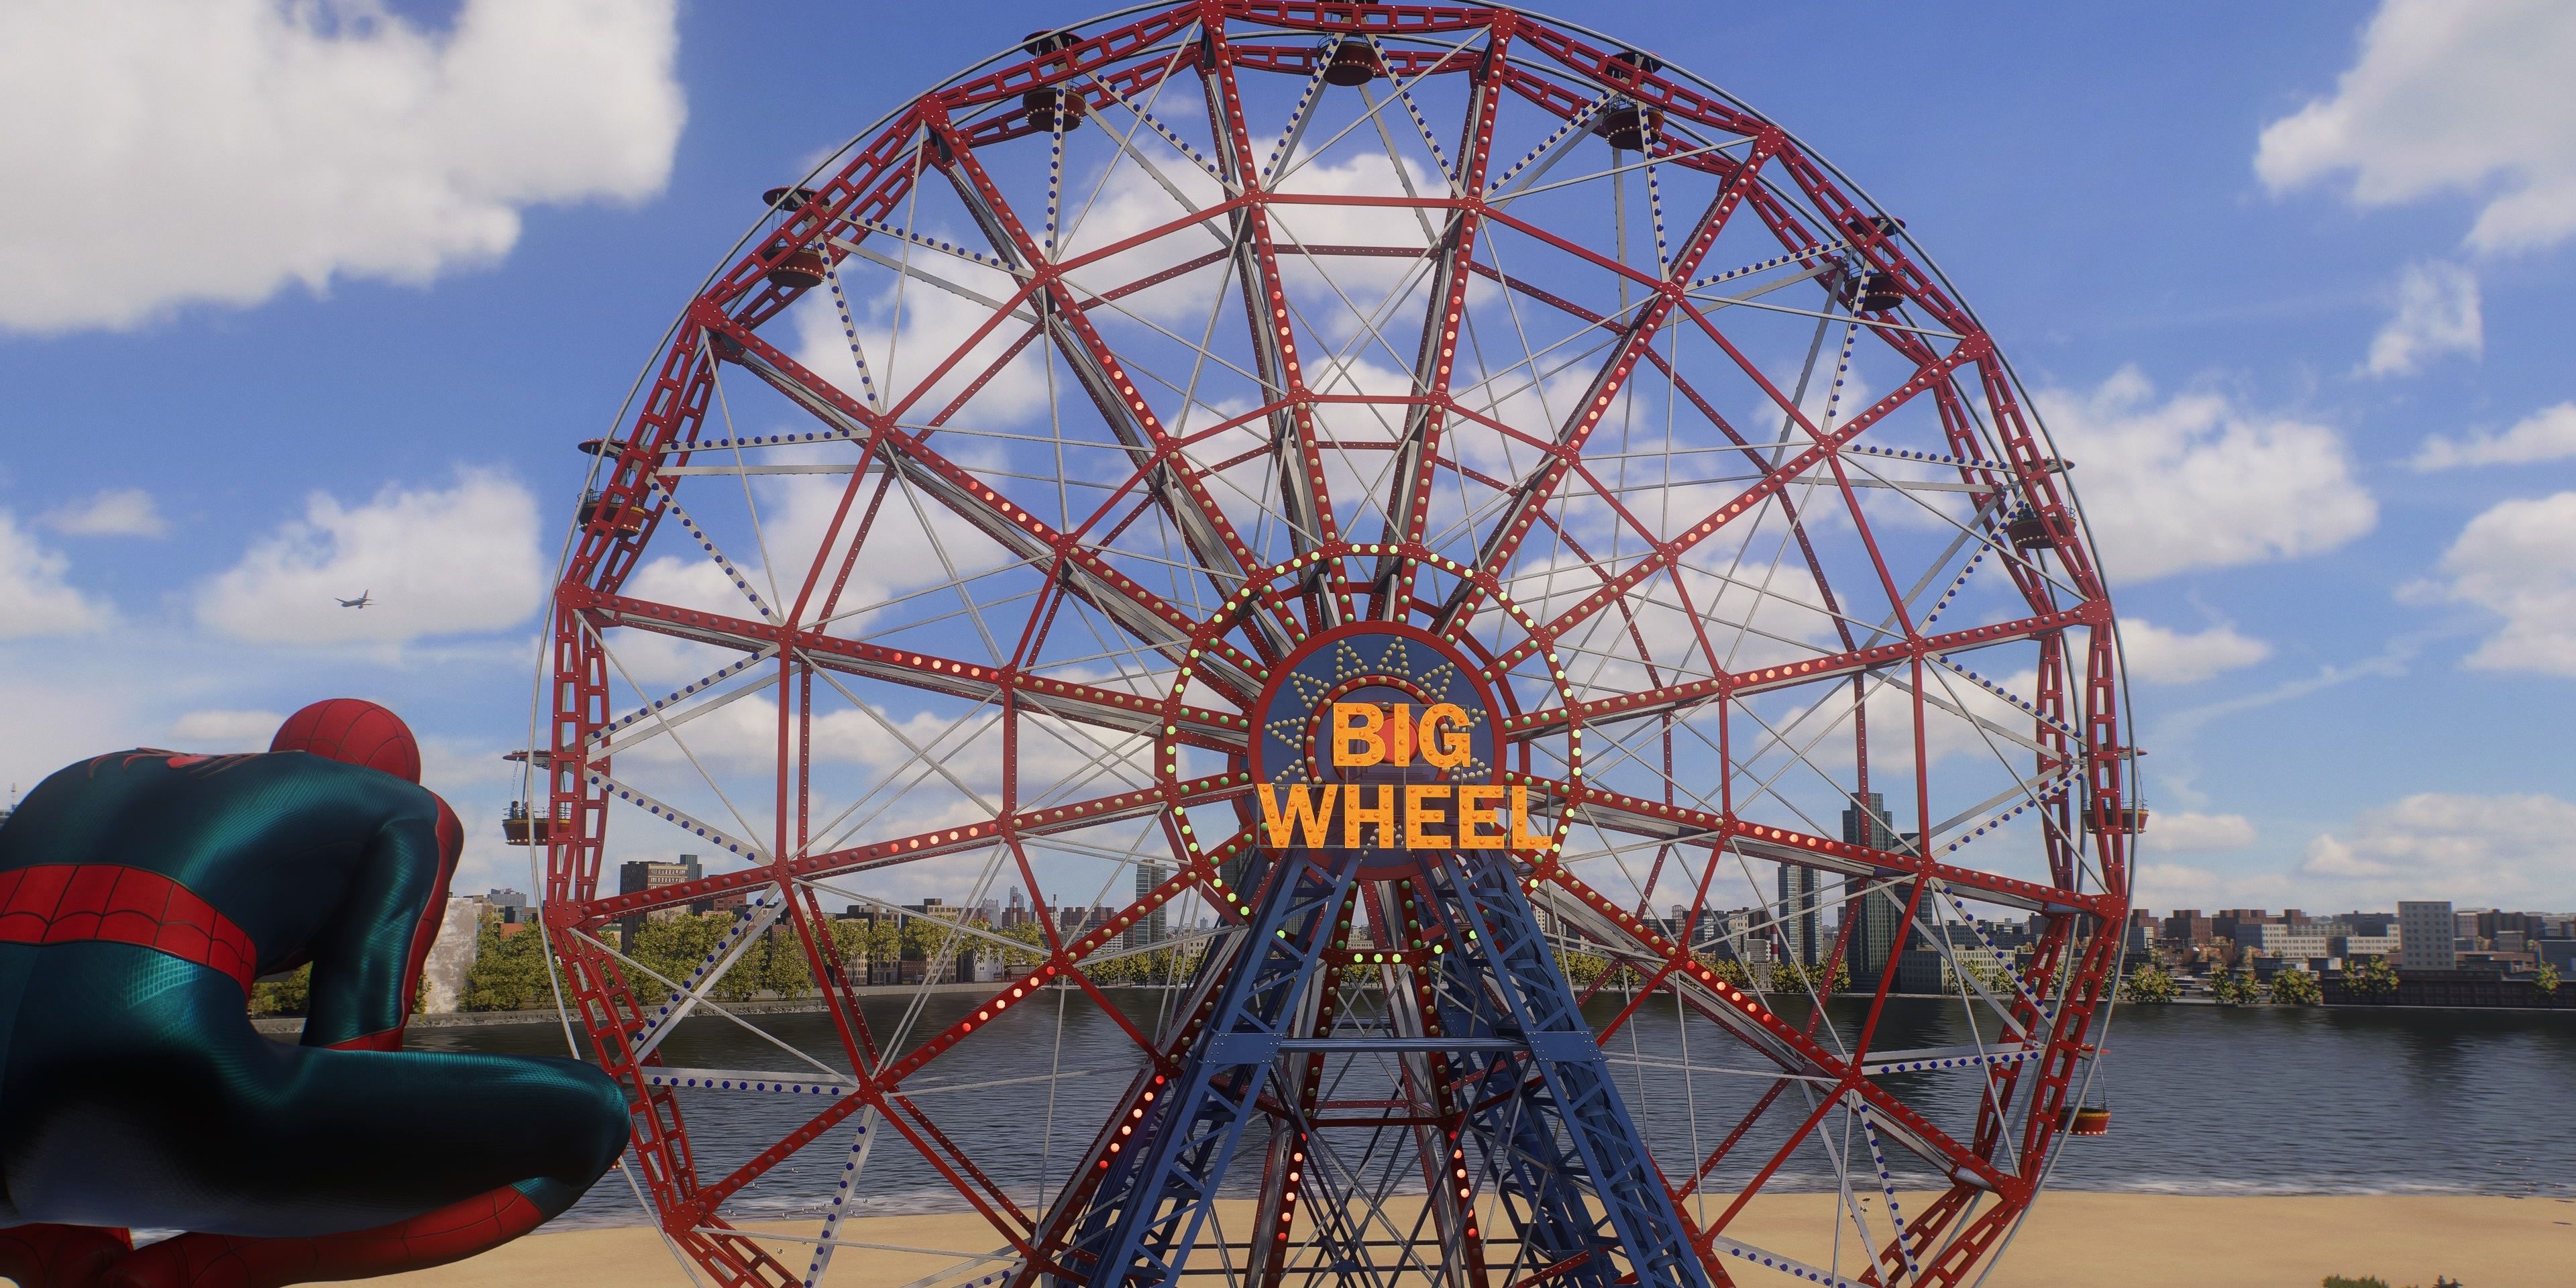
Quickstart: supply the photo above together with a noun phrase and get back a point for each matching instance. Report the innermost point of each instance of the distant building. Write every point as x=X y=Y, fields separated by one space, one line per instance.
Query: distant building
x=512 y=905
x=1800 y=916
x=2493 y=926
x=1017 y=912
x=2139 y=937
x=1743 y=934
x=1149 y=929
x=1074 y=921
x=2242 y=926
x=639 y=875
x=1929 y=968
x=2464 y=926
x=2186 y=928
x=2426 y=934
x=1879 y=931
x=1876 y=909
x=2299 y=942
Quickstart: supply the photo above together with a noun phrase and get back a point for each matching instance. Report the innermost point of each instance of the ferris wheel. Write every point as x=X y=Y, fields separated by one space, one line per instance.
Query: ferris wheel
x=1020 y=522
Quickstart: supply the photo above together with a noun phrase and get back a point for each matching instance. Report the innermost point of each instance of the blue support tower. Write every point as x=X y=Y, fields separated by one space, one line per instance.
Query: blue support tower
x=1539 y=1123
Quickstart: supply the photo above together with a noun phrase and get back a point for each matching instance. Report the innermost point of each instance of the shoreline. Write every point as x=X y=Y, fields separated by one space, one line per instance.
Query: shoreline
x=2092 y=1238
x=289 y=1025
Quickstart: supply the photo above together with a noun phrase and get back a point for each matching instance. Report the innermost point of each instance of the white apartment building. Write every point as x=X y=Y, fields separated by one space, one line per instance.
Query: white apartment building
x=2298 y=943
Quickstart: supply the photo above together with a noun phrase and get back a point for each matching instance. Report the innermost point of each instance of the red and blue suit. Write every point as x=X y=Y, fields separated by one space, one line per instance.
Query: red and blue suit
x=141 y=894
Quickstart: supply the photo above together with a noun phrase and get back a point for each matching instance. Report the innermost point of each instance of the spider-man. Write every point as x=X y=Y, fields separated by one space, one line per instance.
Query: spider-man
x=141 y=893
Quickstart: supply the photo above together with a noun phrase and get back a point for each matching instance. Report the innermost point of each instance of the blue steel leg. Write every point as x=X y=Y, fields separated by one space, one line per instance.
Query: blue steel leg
x=1577 y=1080
x=1142 y=1221
x=1547 y=1115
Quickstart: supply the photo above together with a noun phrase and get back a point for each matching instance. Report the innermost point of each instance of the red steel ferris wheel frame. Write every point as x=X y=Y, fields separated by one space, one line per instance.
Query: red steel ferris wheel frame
x=723 y=325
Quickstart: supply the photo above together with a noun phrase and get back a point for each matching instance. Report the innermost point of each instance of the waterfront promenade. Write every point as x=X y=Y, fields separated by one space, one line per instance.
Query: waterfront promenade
x=2072 y=1238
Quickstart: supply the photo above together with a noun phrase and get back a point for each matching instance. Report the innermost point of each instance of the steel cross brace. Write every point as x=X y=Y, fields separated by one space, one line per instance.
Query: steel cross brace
x=1545 y=1110
x=1524 y=994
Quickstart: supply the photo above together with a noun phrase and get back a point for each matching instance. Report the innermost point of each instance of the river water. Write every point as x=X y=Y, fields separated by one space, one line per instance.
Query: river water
x=2205 y=1100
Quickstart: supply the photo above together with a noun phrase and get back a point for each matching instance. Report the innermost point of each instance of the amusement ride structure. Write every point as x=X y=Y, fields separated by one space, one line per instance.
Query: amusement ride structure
x=1202 y=419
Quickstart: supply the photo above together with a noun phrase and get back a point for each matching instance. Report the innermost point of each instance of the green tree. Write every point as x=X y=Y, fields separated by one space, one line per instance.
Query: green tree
x=2296 y=988
x=2149 y=983
x=2370 y=977
x=1990 y=973
x=509 y=972
x=674 y=948
x=1788 y=976
x=1032 y=934
x=784 y=970
x=285 y=995
x=2546 y=980
x=1727 y=969
x=2232 y=987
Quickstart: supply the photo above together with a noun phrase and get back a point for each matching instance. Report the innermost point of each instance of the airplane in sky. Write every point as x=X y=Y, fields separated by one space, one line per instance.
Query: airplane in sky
x=360 y=602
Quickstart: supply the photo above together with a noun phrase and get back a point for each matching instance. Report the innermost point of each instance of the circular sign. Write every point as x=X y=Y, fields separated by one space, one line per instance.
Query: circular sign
x=1378 y=739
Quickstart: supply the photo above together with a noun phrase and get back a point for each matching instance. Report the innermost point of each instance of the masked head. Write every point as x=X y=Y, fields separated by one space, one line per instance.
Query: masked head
x=353 y=731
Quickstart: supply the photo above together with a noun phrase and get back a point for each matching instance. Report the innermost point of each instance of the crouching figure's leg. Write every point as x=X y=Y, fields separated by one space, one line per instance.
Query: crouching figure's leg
x=377 y=1162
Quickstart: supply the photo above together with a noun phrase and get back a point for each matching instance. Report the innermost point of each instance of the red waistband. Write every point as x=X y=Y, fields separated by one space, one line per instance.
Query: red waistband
x=71 y=903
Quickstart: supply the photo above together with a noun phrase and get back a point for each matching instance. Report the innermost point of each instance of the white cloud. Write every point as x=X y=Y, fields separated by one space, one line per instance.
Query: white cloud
x=2507 y=851
x=58 y=710
x=169 y=151
x=225 y=730
x=2445 y=97
x=2157 y=655
x=2545 y=435
x=2437 y=313
x=2183 y=832
x=114 y=512
x=34 y=599
x=2518 y=561
x=437 y=562
x=2198 y=482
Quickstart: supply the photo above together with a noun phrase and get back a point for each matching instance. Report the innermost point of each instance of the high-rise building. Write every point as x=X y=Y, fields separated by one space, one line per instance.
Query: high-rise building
x=638 y=875
x=1148 y=929
x=1017 y=911
x=1799 y=914
x=1876 y=907
x=1871 y=829
x=2426 y=934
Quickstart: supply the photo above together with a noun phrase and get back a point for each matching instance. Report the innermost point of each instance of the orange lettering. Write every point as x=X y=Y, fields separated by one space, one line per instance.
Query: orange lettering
x=1304 y=818
x=1522 y=837
x=1423 y=808
x=1359 y=737
x=1354 y=814
x=1443 y=746
x=1399 y=734
x=1476 y=804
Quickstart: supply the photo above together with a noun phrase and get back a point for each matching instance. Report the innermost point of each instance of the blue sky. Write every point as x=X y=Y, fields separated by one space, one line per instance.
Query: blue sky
x=2287 y=280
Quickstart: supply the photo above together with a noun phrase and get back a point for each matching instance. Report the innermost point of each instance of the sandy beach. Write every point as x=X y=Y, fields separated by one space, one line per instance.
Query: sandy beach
x=2095 y=1240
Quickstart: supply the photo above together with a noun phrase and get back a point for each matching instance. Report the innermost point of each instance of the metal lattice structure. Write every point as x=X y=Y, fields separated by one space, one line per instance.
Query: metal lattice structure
x=1080 y=429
